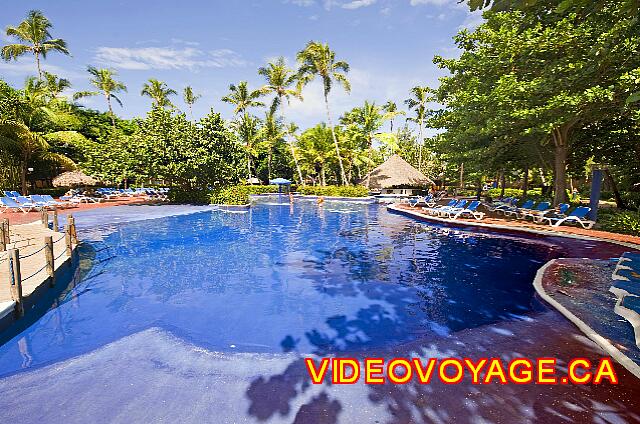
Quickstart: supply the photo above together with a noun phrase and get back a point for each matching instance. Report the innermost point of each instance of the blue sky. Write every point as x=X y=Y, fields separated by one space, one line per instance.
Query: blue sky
x=209 y=44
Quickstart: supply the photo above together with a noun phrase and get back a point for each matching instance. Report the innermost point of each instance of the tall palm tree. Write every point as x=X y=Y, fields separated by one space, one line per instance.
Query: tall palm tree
x=36 y=39
x=243 y=98
x=280 y=80
x=190 y=98
x=391 y=111
x=247 y=128
x=418 y=103
x=318 y=60
x=271 y=133
x=105 y=83
x=292 y=129
x=159 y=92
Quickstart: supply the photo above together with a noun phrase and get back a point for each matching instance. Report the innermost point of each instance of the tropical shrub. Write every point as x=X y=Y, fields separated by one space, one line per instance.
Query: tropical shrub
x=533 y=194
x=619 y=221
x=194 y=197
x=235 y=195
x=334 y=191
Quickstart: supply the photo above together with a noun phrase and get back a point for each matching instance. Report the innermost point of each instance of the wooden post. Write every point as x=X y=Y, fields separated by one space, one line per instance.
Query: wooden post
x=48 y=254
x=44 y=218
x=16 y=281
x=3 y=246
x=72 y=225
x=67 y=237
x=7 y=236
x=55 y=220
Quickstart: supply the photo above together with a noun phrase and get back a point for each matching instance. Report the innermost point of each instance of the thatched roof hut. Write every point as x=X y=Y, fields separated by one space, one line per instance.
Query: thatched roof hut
x=395 y=172
x=74 y=179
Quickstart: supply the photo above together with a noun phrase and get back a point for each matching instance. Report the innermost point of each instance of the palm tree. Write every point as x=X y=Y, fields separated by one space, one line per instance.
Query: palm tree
x=280 y=79
x=419 y=104
x=105 y=83
x=292 y=129
x=391 y=111
x=55 y=86
x=243 y=98
x=247 y=130
x=159 y=92
x=34 y=34
x=316 y=150
x=271 y=133
x=190 y=98
x=318 y=60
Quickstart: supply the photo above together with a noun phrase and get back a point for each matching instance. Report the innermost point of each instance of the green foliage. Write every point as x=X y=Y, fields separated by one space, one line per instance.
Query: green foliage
x=619 y=221
x=239 y=195
x=533 y=194
x=191 y=196
x=334 y=191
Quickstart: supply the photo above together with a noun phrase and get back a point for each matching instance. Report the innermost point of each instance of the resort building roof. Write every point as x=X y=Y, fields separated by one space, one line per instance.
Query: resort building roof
x=395 y=172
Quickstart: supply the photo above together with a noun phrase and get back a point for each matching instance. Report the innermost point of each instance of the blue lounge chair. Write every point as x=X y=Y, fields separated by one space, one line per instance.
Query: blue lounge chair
x=472 y=210
x=553 y=213
x=507 y=203
x=458 y=206
x=9 y=203
x=526 y=206
x=624 y=288
x=451 y=203
x=578 y=216
x=27 y=202
x=541 y=209
x=49 y=199
x=628 y=307
x=424 y=200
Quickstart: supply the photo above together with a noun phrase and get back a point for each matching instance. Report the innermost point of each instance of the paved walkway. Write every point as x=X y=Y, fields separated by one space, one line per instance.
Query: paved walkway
x=29 y=240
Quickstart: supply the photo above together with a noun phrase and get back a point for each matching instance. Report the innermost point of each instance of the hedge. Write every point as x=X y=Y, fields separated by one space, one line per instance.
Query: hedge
x=334 y=191
x=619 y=221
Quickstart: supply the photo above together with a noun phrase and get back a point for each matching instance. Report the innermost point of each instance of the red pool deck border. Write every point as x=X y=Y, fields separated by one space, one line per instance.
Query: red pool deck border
x=16 y=218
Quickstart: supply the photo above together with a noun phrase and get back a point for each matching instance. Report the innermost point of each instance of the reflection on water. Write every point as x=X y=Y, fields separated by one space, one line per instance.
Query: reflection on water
x=306 y=278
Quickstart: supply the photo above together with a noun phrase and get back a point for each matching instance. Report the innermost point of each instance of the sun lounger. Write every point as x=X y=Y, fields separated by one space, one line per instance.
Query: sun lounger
x=420 y=200
x=28 y=202
x=541 y=209
x=451 y=203
x=460 y=205
x=9 y=203
x=515 y=211
x=628 y=307
x=578 y=216
x=471 y=210
x=553 y=213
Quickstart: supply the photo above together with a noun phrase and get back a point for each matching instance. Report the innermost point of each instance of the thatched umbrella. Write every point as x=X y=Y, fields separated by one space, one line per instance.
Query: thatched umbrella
x=395 y=172
x=74 y=179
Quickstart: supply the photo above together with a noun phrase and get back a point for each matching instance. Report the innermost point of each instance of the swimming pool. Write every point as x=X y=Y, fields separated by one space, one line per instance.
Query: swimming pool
x=276 y=280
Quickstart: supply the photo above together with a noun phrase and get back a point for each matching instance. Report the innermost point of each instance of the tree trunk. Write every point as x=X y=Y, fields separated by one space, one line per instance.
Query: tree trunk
x=38 y=65
x=113 y=119
x=269 y=157
x=420 y=145
x=323 y=182
x=616 y=193
x=23 y=179
x=502 y=184
x=479 y=189
x=343 y=176
x=525 y=182
x=293 y=151
x=560 y=139
x=462 y=175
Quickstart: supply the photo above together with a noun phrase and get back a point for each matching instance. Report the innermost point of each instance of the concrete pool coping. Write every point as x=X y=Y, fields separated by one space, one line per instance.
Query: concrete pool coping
x=601 y=341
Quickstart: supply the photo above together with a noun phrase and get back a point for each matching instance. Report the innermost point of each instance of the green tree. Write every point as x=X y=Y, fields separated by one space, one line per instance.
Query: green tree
x=158 y=92
x=391 y=111
x=103 y=80
x=35 y=38
x=271 y=134
x=242 y=98
x=418 y=103
x=247 y=129
x=318 y=60
x=316 y=152
x=190 y=98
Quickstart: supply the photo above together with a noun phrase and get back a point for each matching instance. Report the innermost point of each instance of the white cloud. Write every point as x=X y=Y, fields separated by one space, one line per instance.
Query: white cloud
x=26 y=67
x=473 y=20
x=356 y=4
x=167 y=58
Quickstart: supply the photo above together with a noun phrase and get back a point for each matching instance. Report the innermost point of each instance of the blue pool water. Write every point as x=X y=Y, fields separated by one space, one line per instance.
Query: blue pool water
x=308 y=279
